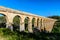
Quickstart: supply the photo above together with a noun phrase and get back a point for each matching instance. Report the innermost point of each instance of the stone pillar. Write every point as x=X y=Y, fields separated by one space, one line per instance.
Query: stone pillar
x=22 y=27
x=47 y=23
x=9 y=26
x=30 y=26
x=42 y=24
x=9 y=22
x=39 y=25
x=35 y=23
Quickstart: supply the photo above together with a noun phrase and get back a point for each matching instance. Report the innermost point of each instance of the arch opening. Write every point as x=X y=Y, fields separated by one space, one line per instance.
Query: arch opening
x=33 y=21
x=3 y=20
x=26 y=23
x=16 y=23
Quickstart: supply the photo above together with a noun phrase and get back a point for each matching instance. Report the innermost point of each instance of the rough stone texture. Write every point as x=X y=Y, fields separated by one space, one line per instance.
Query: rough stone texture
x=43 y=22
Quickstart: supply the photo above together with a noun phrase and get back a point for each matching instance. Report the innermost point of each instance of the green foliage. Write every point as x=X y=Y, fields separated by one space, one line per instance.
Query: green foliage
x=2 y=19
x=16 y=20
x=11 y=35
x=33 y=21
x=26 y=20
x=6 y=34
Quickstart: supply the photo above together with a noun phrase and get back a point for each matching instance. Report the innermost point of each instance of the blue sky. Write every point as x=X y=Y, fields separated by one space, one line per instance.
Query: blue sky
x=39 y=7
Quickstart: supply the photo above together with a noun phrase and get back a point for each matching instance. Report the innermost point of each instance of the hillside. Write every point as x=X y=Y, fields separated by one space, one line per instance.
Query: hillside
x=6 y=34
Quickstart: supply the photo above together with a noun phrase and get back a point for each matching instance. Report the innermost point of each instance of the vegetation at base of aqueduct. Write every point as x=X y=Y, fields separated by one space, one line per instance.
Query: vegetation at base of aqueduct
x=6 y=34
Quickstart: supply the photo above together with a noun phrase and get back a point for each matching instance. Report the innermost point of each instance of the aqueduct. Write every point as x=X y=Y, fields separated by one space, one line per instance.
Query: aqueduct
x=39 y=21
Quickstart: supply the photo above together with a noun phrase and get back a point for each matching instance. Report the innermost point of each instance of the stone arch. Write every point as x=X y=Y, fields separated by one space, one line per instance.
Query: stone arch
x=33 y=23
x=5 y=19
x=16 y=23
x=26 y=23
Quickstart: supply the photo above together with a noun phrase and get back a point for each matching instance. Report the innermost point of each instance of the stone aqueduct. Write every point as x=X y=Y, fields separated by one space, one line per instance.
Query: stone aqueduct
x=43 y=22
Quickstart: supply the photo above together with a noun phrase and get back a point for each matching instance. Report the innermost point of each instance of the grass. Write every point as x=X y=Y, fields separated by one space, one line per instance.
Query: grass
x=6 y=34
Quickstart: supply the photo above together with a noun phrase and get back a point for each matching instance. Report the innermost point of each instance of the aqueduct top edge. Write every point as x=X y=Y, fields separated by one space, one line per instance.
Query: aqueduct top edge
x=4 y=8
